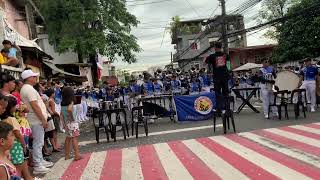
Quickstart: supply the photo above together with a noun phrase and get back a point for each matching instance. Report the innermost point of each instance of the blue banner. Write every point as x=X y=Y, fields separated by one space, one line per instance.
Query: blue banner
x=195 y=107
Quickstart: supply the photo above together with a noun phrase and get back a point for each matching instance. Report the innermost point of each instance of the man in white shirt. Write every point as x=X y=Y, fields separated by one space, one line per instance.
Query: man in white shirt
x=37 y=118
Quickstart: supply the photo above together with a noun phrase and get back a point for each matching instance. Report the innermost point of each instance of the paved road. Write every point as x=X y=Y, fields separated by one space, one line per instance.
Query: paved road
x=289 y=152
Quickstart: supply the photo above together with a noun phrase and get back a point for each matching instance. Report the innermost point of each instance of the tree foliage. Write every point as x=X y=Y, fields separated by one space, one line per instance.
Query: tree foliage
x=88 y=27
x=273 y=9
x=300 y=36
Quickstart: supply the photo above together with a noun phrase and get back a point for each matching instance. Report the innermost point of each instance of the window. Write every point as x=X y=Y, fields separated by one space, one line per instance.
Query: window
x=194 y=45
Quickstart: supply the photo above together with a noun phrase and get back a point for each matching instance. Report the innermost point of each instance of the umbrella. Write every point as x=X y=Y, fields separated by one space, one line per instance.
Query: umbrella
x=248 y=66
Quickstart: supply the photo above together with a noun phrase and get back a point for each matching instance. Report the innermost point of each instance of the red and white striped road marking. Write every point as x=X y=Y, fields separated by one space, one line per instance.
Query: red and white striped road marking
x=278 y=153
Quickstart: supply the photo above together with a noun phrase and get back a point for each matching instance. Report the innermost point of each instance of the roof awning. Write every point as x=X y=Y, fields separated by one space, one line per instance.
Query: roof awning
x=12 y=35
x=55 y=68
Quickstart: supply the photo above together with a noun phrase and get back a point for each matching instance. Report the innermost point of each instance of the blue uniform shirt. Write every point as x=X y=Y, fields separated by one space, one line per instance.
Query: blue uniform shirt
x=135 y=88
x=309 y=73
x=148 y=86
x=157 y=88
x=175 y=84
x=205 y=81
x=194 y=87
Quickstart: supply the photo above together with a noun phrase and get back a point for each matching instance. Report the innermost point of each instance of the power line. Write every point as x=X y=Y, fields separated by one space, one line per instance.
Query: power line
x=153 y=2
x=306 y=11
x=195 y=11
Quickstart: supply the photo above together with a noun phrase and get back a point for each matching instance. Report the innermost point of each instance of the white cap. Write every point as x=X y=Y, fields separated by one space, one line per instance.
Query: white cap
x=28 y=73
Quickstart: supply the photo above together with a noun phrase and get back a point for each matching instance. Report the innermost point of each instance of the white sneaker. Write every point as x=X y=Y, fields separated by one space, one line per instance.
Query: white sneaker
x=47 y=164
x=40 y=170
x=313 y=110
x=266 y=116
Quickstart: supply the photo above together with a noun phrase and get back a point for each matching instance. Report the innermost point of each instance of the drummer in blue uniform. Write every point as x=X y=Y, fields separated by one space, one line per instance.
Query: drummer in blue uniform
x=147 y=87
x=309 y=74
x=195 y=87
x=204 y=80
x=266 y=76
x=157 y=87
x=134 y=94
x=175 y=85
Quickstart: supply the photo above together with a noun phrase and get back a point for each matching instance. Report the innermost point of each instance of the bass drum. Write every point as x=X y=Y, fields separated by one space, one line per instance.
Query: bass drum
x=287 y=80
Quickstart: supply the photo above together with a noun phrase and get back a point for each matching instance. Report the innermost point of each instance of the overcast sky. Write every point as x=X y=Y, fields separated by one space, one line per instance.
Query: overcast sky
x=154 y=17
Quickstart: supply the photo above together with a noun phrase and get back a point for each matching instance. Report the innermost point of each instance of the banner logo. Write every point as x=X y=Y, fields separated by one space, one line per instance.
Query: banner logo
x=203 y=105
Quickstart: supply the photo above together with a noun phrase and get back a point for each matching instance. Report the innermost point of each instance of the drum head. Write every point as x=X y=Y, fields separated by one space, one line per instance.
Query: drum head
x=287 y=80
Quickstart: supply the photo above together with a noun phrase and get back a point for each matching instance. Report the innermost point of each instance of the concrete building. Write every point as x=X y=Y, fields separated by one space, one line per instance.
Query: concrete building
x=188 y=32
x=16 y=23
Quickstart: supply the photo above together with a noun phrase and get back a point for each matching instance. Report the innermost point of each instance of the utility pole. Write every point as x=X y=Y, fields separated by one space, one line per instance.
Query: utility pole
x=224 y=27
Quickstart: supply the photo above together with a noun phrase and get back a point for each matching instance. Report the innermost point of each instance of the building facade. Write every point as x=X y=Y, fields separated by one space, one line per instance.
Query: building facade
x=188 y=32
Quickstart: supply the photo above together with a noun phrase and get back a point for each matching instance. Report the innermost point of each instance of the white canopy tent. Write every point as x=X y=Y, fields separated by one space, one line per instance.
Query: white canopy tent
x=248 y=66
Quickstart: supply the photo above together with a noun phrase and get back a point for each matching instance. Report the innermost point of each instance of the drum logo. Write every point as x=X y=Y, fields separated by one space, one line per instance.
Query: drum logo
x=203 y=105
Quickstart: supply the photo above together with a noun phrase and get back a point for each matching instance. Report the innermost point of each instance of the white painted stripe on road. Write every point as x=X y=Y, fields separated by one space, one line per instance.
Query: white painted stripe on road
x=260 y=160
x=308 y=129
x=94 y=166
x=58 y=169
x=296 y=137
x=214 y=162
x=171 y=164
x=294 y=153
x=131 y=167
x=84 y=143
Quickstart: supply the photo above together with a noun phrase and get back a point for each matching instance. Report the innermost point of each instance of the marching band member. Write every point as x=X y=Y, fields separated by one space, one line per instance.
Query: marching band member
x=204 y=80
x=195 y=87
x=134 y=94
x=157 y=87
x=148 y=87
x=175 y=85
x=309 y=74
x=266 y=76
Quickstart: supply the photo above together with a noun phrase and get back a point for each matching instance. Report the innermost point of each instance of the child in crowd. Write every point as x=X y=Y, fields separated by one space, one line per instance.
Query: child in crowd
x=56 y=119
x=70 y=125
x=19 y=147
x=7 y=170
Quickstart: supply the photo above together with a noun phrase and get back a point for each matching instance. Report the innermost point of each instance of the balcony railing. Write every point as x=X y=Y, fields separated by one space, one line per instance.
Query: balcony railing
x=15 y=72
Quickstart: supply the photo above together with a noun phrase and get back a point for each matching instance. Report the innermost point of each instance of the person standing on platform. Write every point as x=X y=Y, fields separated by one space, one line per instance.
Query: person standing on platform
x=309 y=74
x=218 y=63
x=266 y=76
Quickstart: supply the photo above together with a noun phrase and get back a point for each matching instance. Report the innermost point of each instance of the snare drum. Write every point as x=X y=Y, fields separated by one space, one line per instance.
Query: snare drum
x=287 y=80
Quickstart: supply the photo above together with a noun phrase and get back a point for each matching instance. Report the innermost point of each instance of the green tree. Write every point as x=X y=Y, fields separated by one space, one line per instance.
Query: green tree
x=273 y=9
x=90 y=27
x=299 y=36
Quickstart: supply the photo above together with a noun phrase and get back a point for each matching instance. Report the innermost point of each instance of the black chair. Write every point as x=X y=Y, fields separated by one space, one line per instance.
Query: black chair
x=101 y=124
x=299 y=103
x=138 y=113
x=226 y=117
x=283 y=95
x=124 y=124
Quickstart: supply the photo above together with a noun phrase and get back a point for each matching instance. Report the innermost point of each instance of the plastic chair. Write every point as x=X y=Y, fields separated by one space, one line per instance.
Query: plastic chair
x=283 y=95
x=300 y=102
x=226 y=117
x=137 y=112
x=101 y=124
x=116 y=113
